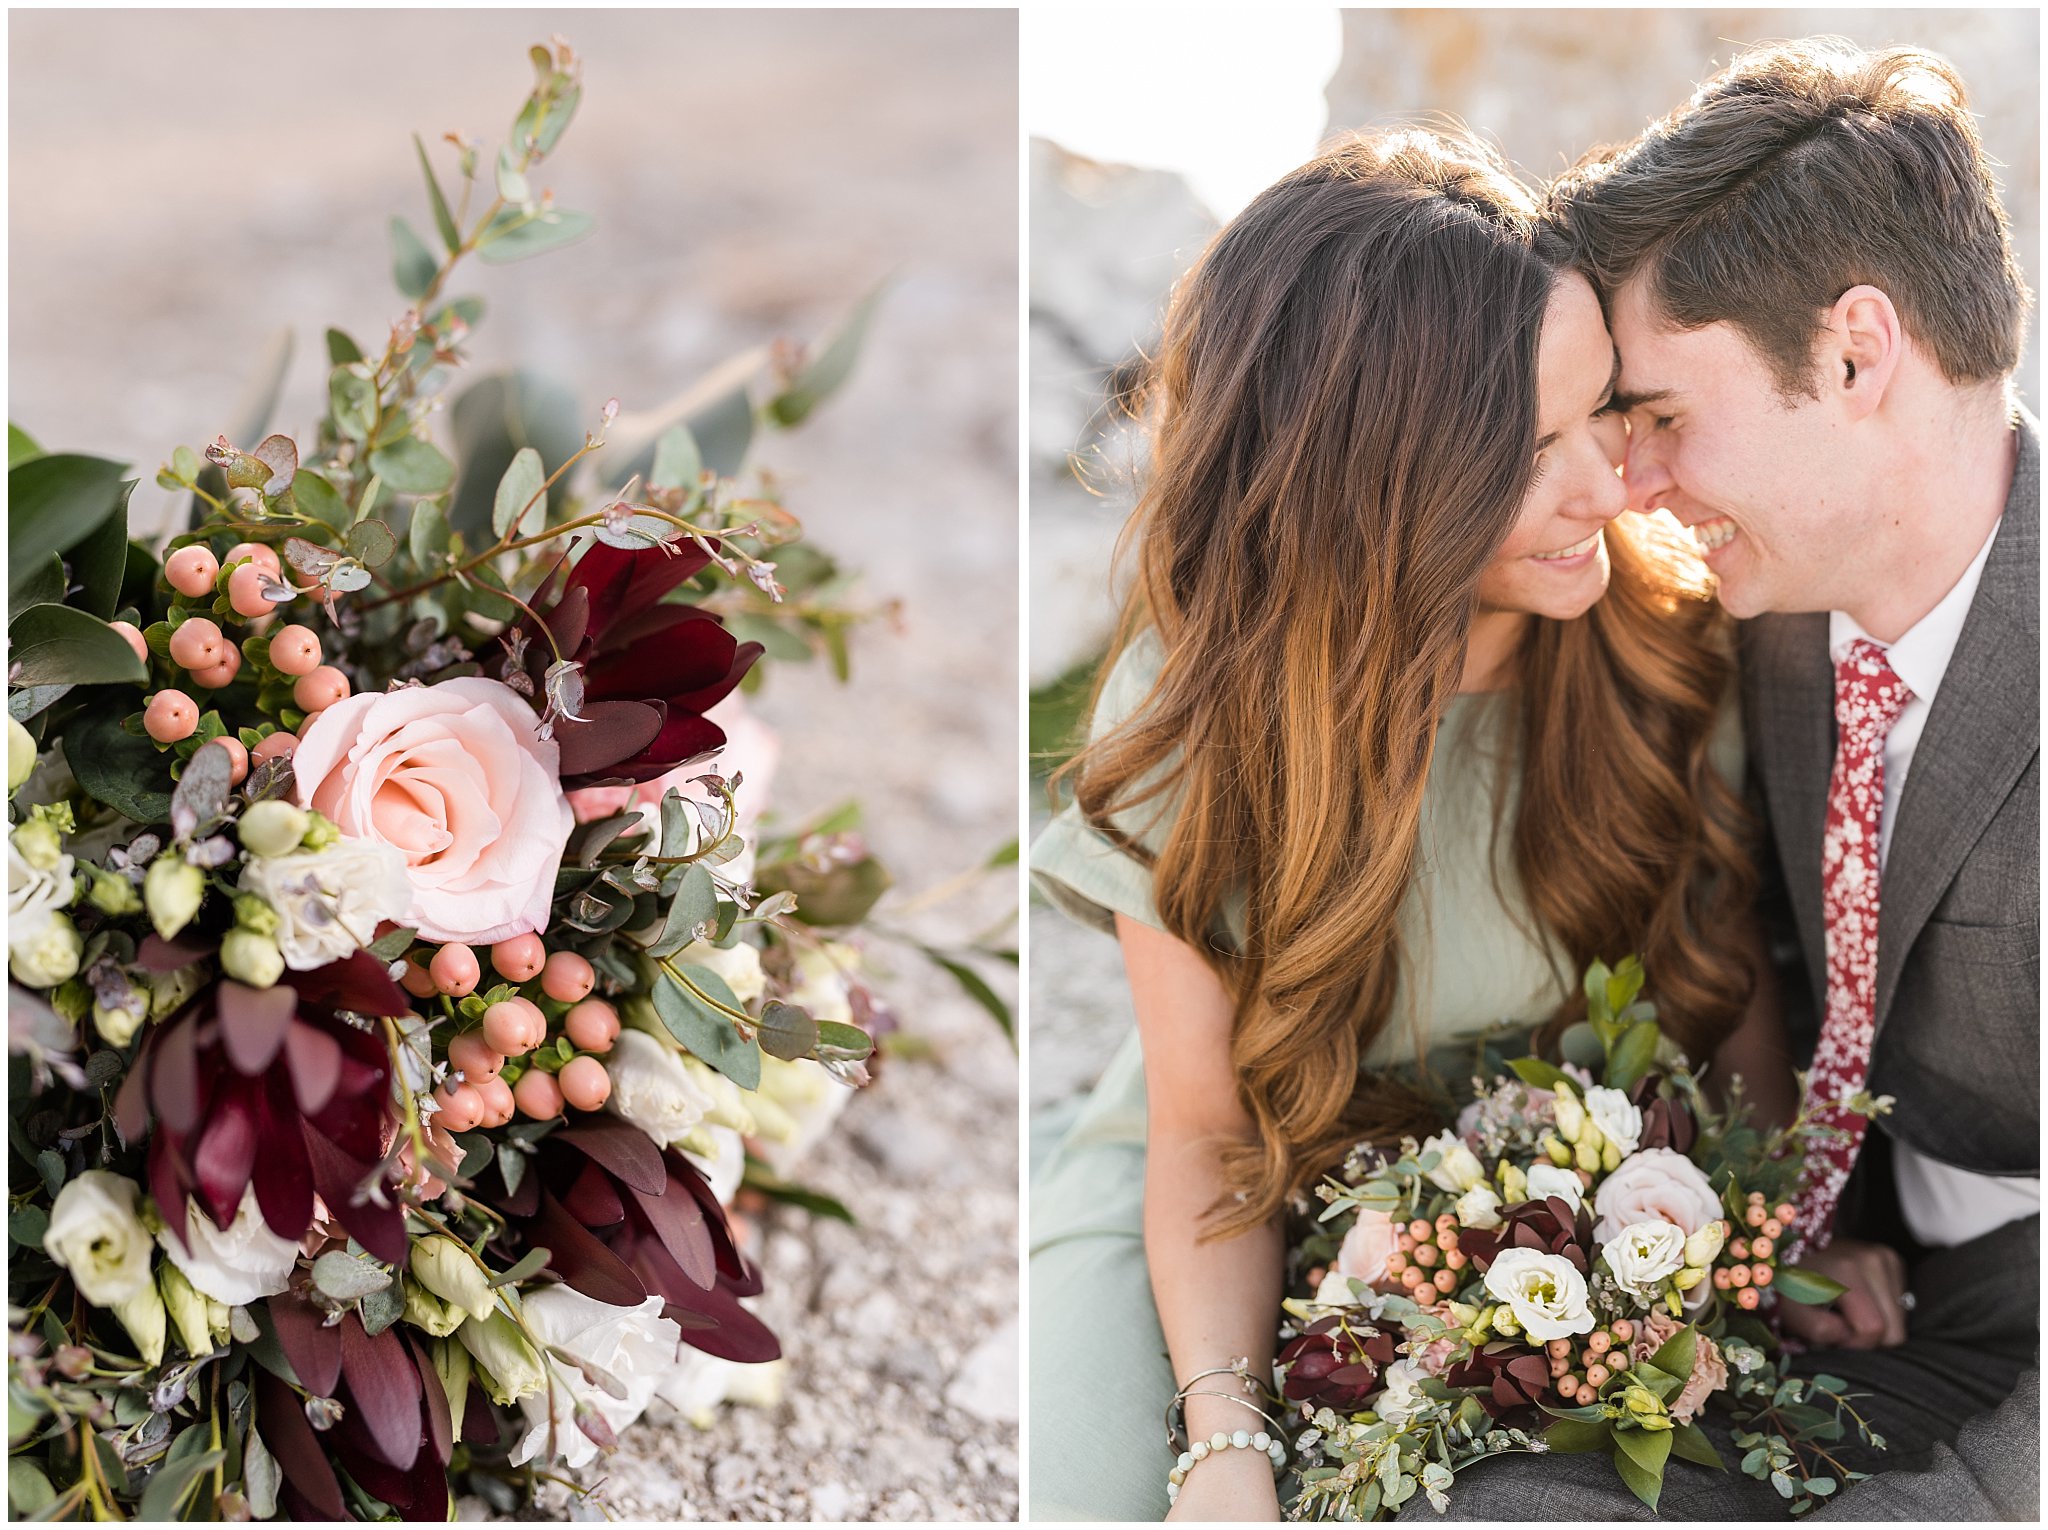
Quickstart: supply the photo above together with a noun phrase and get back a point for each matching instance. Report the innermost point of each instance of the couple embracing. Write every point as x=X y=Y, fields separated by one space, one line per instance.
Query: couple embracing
x=1416 y=711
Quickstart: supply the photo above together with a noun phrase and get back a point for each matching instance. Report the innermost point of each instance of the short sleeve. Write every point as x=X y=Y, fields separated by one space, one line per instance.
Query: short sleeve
x=1080 y=871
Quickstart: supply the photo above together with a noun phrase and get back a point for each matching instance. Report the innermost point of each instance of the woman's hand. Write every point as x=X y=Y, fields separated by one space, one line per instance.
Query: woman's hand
x=1871 y=1314
x=1229 y=1484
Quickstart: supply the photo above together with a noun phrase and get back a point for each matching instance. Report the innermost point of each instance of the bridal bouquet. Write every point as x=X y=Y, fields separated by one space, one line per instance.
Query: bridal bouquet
x=1575 y=1266
x=401 y=991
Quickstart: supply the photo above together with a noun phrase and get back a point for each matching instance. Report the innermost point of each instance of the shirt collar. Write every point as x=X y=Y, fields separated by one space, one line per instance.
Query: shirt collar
x=1920 y=656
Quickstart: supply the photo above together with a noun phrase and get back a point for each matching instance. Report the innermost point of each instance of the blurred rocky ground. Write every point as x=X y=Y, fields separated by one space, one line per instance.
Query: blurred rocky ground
x=185 y=183
x=1107 y=241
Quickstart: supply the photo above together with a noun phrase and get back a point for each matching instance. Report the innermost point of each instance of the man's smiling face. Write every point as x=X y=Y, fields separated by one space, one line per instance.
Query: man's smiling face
x=1761 y=482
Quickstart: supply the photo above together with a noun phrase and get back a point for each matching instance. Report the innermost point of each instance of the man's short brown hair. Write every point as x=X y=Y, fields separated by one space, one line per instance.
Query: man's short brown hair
x=1802 y=170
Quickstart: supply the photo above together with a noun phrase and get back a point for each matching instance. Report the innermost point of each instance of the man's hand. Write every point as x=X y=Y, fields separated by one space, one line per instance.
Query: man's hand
x=1869 y=1314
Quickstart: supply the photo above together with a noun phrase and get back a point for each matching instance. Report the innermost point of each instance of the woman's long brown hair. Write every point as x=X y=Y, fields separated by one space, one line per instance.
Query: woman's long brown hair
x=1344 y=412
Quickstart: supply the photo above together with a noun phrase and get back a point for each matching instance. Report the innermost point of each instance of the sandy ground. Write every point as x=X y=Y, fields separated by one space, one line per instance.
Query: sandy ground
x=182 y=184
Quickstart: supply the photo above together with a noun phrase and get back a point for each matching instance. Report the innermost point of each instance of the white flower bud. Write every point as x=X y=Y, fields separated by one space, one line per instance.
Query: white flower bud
x=1568 y=1113
x=445 y=1268
x=46 y=953
x=273 y=827
x=1704 y=1246
x=510 y=1368
x=249 y=958
x=173 y=889
x=40 y=844
x=117 y=1026
x=21 y=755
x=1479 y=1208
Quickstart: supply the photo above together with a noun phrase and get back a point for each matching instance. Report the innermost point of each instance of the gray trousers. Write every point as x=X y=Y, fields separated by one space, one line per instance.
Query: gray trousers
x=1958 y=1405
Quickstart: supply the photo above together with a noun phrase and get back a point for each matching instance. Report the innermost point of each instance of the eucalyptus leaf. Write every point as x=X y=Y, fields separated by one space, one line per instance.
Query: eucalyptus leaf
x=341 y=349
x=413 y=466
x=352 y=400
x=412 y=264
x=695 y=904
x=261 y=1476
x=826 y=372
x=520 y=506
x=677 y=462
x=787 y=1031
x=972 y=983
x=201 y=796
x=1796 y=1283
x=345 y=1278
x=427 y=536
x=172 y=1483
x=444 y=221
x=511 y=180
x=372 y=543
x=316 y=497
x=491 y=421
x=706 y=1033
x=530 y=1264
x=61 y=645
x=518 y=235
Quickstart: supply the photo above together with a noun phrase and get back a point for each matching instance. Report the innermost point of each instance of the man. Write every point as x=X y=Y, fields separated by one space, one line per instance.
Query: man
x=1811 y=286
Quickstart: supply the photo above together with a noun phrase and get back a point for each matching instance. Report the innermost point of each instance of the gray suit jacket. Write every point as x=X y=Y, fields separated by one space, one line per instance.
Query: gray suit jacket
x=1959 y=940
x=1958 y=978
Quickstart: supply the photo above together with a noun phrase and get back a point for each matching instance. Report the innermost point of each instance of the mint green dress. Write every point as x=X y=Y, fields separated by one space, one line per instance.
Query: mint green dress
x=1100 y=1375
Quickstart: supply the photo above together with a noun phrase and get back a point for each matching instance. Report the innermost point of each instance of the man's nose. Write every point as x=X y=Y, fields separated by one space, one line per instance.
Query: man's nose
x=1644 y=473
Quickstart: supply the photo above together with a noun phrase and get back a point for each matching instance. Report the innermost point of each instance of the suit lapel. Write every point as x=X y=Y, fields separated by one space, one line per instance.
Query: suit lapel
x=1792 y=733
x=1984 y=727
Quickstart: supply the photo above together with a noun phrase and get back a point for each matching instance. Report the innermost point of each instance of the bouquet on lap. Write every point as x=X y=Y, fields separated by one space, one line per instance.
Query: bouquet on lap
x=1584 y=1262
x=401 y=990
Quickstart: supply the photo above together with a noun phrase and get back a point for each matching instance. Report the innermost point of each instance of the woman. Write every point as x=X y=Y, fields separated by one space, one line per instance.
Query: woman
x=1404 y=728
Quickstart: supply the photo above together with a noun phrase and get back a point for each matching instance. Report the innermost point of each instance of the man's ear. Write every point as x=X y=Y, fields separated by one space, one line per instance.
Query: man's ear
x=1861 y=346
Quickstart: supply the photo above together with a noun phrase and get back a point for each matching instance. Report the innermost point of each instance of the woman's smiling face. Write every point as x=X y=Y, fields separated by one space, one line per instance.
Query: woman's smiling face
x=1554 y=562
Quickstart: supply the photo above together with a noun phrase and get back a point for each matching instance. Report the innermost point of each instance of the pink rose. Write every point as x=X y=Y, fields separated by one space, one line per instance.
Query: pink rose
x=1366 y=1249
x=1655 y=1185
x=1709 y=1370
x=457 y=778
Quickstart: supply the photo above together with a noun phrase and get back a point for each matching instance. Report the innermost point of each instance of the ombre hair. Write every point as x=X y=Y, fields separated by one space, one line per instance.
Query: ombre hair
x=1344 y=416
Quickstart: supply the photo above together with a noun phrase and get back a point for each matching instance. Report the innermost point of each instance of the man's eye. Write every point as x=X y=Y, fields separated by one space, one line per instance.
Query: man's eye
x=1660 y=422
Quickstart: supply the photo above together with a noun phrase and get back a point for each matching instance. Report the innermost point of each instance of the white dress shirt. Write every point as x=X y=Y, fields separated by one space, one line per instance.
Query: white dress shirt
x=1943 y=1205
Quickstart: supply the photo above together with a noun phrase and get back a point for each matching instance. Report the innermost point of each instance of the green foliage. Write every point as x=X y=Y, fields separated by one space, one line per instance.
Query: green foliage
x=822 y=375
x=54 y=503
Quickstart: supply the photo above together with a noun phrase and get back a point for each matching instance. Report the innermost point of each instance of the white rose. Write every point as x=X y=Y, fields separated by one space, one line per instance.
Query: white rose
x=236 y=1264
x=1335 y=1291
x=794 y=1108
x=329 y=902
x=1544 y=1291
x=43 y=952
x=96 y=1233
x=1644 y=1255
x=1457 y=1170
x=1619 y=1121
x=1404 y=1397
x=1479 y=1208
x=1547 y=1179
x=651 y=1088
x=33 y=891
x=739 y=965
x=634 y=1347
x=698 y=1383
x=821 y=983
x=721 y=1155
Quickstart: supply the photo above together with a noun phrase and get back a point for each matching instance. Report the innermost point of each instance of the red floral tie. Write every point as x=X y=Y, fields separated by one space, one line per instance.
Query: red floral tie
x=1868 y=700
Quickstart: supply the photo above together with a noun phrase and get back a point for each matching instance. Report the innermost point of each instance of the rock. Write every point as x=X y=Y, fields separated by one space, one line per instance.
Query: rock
x=831 y=1500
x=986 y=1383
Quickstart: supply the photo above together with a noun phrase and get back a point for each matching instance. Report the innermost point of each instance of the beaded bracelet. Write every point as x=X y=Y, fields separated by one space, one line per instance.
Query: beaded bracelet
x=1176 y=1429
x=1201 y=1450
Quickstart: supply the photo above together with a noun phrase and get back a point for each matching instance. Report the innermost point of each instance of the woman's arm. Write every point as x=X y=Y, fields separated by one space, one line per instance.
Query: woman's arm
x=1217 y=1300
x=1756 y=1050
